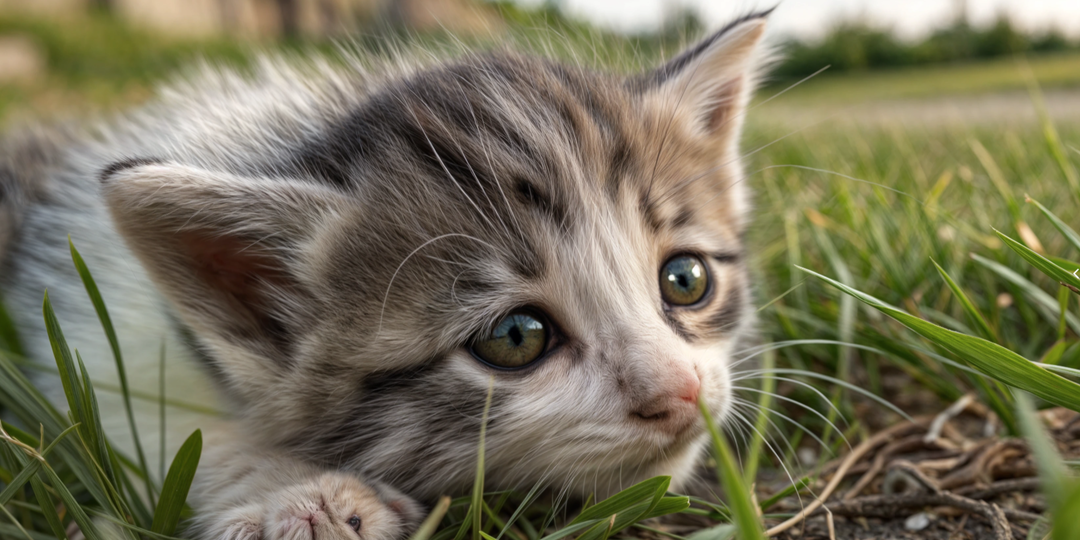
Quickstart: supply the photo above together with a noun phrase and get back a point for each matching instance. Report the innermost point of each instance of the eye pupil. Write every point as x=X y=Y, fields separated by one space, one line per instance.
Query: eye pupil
x=354 y=522
x=683 y=280
x=515 y=335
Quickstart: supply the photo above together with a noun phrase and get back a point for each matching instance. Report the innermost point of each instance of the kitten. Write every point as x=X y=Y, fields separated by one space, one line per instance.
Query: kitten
x=343 y=258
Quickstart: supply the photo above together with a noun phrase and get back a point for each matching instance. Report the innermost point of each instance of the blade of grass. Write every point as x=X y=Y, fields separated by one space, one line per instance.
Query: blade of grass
x=1047 y=303
x=990 y=358
x=1062 y=490
x=1071 y=235
x=114 y=343
x=1050 y=134
x=969 y=308
x=476 y=506
x=739 y=500
x=642 y=491
x=761 y=424
x=174 y=489
x=530 y=497
x=431 y=522
x=9 y=336
x=1044 y=265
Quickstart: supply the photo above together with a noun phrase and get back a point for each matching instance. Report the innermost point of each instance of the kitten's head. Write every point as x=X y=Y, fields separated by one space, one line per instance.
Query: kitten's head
x=573 y=236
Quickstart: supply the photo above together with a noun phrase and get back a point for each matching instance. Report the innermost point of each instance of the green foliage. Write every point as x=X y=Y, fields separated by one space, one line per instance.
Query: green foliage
x=747 y=521
x=857 y=46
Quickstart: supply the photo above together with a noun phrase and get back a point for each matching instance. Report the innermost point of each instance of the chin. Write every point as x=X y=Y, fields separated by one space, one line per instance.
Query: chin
x=682 y=464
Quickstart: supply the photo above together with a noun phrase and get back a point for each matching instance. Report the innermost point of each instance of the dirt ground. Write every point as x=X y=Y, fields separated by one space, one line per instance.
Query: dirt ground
x=954 y=471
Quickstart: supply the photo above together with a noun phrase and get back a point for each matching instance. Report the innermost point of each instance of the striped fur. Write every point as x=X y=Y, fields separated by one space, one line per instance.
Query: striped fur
x=316 y=247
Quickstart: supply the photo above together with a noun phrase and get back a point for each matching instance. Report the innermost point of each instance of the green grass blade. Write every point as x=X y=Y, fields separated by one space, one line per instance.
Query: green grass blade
x=644 y=491
x=177 y=482
x=431 y=522
x=725 y=531
x=665 y=506
x=1047 y=303
x=1066 y=526
x=990 y=358
x=20 y=480
x=742 y=506
x=1072 y=236
x=65 y=364
x=1062 y=490
x=1050 y=133
x=1044 y=265
x=571 y=529
x=1053 y=474
x=114 y=343
x=969 y=308
x=100 y=450
x=9 y=336
x=48 y=508
x=525 y=503
x=761 y=424
x=78 y=514
x=476 y=506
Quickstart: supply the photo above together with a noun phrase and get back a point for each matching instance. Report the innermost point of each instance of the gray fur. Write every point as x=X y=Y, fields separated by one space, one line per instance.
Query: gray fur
x=329 y=240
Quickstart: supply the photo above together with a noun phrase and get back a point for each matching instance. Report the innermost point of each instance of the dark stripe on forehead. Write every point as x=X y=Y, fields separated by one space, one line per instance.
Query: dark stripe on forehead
x=618 y=166
x=649 y=213
x=683 y=218
x=531 y=195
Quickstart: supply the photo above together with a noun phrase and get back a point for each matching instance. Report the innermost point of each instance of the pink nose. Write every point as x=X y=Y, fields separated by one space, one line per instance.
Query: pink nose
x=691 y=387
x=674 y=407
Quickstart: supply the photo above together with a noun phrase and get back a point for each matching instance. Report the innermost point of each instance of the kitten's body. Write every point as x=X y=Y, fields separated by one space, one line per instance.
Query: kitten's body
x=317 y=248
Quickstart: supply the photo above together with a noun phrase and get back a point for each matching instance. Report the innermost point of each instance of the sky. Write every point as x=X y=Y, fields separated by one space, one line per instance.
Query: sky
x=811 y=18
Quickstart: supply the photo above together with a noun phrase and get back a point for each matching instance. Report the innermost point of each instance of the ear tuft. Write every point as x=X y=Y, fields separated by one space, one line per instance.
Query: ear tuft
x=107 y=173
x=713 y=79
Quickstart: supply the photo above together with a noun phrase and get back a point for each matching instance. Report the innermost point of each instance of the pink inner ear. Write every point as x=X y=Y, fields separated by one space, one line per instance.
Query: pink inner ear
x=724 y=105
x=233 y=267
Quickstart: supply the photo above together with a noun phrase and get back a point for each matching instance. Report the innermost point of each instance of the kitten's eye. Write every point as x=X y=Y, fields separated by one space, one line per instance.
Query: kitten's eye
x=683 y=280
x=354 y=522
x=516 y=341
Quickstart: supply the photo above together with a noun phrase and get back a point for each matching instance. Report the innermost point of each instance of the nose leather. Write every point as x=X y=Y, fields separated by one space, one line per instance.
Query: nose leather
x=672 y=407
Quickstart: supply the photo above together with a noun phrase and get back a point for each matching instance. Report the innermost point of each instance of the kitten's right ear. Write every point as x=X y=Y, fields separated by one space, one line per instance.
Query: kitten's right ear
x=712 y=80
x=228 y=251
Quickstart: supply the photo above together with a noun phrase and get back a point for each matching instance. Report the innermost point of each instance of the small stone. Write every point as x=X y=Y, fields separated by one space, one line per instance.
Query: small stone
x=917 y=522
x=807 y=456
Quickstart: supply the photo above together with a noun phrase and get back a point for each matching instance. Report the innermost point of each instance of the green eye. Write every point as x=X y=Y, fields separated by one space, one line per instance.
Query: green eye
x=516 y=341
x=683 y=280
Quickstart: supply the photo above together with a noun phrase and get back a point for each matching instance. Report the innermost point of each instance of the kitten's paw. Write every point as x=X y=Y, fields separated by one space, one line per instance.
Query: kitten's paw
x=335 y=506
x=244 y=523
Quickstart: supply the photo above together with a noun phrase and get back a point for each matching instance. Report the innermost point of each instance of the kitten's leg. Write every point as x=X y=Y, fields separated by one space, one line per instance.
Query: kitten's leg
x=245 y=493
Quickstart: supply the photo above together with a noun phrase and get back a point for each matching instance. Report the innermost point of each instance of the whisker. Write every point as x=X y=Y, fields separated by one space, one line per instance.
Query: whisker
x=804 y=406
x=854 y=388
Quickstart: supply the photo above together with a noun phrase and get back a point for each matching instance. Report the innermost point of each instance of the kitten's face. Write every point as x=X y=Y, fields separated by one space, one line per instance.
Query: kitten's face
x=573 y=238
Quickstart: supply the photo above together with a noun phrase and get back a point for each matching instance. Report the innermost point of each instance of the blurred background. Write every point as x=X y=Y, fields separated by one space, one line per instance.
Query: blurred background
x=63 y=55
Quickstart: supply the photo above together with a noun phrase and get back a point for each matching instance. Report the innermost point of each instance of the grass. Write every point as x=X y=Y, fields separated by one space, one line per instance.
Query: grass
x=929 y=228
x=1057 y=71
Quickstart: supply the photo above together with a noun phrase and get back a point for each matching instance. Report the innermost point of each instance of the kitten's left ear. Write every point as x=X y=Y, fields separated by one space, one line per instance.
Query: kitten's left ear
x=712 y=80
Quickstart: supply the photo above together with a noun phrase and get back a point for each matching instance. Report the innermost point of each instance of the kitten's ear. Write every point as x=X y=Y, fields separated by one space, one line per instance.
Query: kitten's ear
x=226 y=250
x=713 y=80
